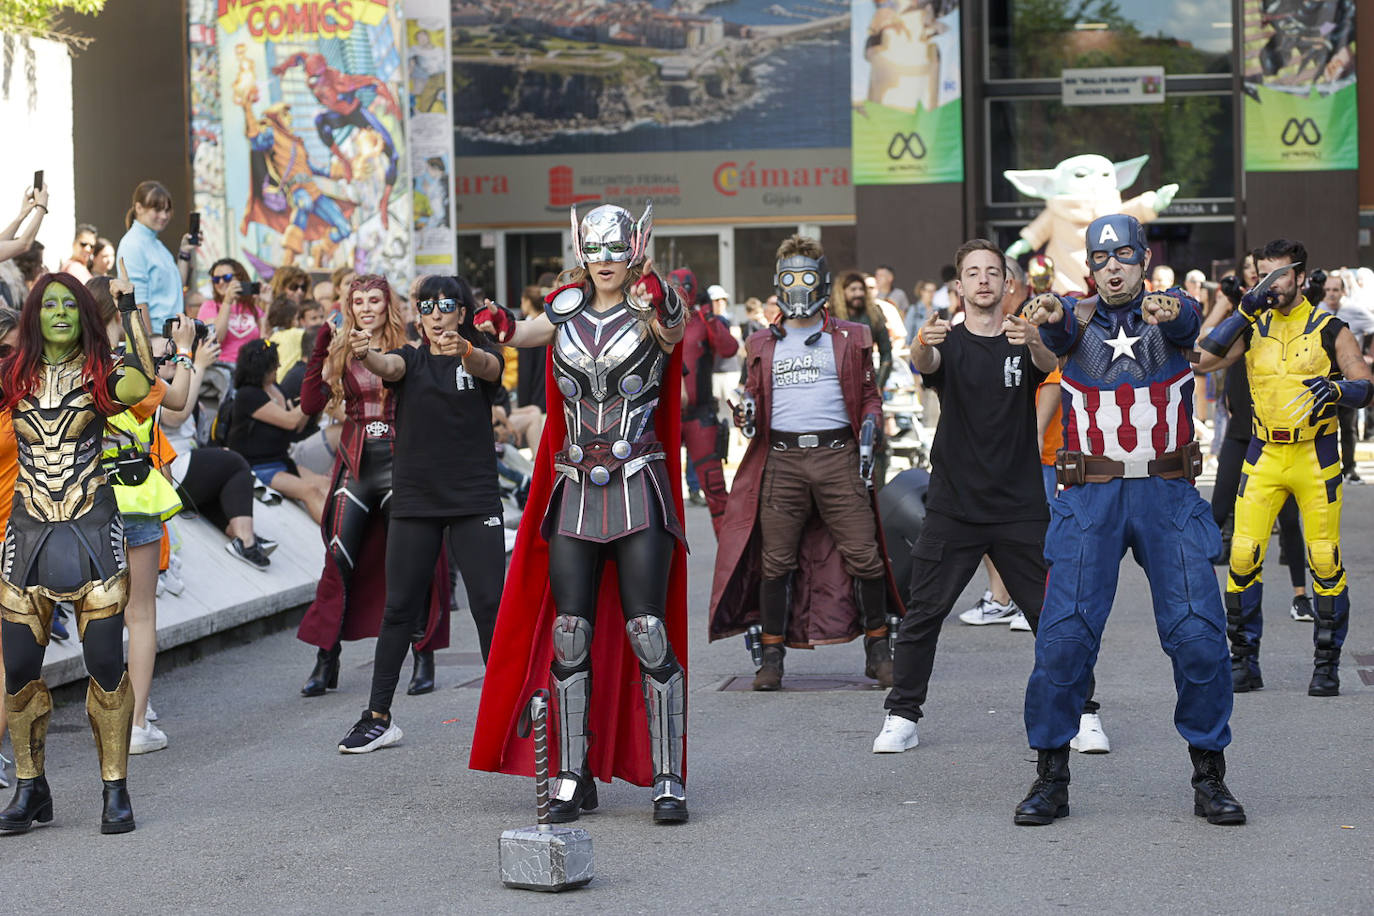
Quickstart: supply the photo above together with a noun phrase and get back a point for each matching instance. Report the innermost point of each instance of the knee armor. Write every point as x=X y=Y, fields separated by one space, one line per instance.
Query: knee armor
x=649 y=640
x=572 y=640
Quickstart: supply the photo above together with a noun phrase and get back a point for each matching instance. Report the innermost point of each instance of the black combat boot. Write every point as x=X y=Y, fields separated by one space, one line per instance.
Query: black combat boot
x=1049 y=794
x=422 y=680
x=32 y=802
x=118 y=813
x=1325 y=681
x=1211 y=798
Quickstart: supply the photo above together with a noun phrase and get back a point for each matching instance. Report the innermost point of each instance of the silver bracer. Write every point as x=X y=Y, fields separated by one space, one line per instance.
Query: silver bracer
x=665 y=703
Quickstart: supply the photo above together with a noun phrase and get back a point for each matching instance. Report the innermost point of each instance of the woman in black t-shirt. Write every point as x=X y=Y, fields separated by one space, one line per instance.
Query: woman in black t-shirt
x=264 y=425
x=443 y=484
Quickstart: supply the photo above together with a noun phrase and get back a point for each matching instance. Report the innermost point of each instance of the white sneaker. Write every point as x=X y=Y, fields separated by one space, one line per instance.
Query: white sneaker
x=1019 y=622
x=1091 y=739
x=148 y=712
x=147 y=739
x=898 y=734
x=987 y=611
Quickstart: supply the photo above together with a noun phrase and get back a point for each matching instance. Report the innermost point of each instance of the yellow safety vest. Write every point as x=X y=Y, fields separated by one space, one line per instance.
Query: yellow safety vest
x=129 y=442
x=1283 y=351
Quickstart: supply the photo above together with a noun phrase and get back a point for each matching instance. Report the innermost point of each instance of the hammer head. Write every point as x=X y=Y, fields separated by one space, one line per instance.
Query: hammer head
x=546 y=858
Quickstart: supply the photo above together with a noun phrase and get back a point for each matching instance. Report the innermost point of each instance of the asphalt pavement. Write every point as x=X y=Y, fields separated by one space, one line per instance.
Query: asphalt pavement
x=252 y=809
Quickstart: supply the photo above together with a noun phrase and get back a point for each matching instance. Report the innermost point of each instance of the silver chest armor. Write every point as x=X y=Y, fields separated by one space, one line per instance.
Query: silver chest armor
x=609 y=368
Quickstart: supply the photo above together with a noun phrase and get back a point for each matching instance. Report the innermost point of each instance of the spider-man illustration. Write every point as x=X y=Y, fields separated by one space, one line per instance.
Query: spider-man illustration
x=338 y=93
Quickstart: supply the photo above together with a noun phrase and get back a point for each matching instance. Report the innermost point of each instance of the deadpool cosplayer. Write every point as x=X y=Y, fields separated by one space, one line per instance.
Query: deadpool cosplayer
x=605 y=509
x=812 y=412
x=705 y=339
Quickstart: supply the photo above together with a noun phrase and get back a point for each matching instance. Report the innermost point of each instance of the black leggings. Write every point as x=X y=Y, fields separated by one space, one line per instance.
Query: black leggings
x=476 y=548
x=642 y=560
x=219 y=485
x=355 y=498
x=1230 y=463
x=102 y=647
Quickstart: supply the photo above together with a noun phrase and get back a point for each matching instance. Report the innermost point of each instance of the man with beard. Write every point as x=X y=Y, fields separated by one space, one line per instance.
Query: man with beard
x=986 y=494
x=1127 y=468
x=1295 y=355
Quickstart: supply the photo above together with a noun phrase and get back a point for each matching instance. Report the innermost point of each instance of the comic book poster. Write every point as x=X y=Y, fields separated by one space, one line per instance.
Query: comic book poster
x=310 y=138
x=431 y=135
x=906 y=92
x=1300 y=110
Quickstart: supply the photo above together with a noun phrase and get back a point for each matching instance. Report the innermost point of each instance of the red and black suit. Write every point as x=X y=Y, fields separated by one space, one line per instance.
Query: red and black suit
x=706 y=439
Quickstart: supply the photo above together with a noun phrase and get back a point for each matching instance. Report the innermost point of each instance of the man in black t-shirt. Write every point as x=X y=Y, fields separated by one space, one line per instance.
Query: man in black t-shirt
x=986 y=492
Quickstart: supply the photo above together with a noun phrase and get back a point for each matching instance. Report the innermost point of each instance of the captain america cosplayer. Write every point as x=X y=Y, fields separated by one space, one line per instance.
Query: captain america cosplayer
x=1127 y=468
x=1294 y=356
x=703 y=435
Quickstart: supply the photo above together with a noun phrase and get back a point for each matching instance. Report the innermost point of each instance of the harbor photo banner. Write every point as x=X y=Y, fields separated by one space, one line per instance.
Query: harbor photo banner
x=906 y=92
x=1300 y=112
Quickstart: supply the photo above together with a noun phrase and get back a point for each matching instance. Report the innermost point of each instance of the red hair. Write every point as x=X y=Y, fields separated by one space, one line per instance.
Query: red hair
x=340 y=350
x=21 y=372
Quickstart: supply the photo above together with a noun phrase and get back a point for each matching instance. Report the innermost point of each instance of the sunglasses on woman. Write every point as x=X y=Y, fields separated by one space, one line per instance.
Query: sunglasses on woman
x=222 y=278
x=296 y=287
x=426 y=306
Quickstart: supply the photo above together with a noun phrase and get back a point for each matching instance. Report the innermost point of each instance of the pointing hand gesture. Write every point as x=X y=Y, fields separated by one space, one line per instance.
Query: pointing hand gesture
x=1046 y=308
x=359 y=342
x=934 y=331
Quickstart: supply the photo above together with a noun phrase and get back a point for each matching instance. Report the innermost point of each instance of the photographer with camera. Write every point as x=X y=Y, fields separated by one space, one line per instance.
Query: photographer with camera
x=235 y=313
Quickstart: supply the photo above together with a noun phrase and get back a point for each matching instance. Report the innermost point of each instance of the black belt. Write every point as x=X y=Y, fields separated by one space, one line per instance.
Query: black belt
x=826 y=438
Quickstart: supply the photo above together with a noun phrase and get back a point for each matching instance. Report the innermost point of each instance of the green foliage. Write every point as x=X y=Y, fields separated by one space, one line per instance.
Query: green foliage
x=36 y=17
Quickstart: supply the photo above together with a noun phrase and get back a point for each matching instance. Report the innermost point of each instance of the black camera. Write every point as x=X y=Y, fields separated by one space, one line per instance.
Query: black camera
x=202 y=331
x=254 y=288
x=1315 y=291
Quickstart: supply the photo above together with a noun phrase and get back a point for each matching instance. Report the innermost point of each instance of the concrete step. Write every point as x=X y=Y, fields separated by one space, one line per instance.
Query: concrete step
x=221 y=592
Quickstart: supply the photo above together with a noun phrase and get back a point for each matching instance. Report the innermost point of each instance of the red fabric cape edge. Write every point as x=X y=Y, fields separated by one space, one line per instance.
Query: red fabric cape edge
x=522 y=647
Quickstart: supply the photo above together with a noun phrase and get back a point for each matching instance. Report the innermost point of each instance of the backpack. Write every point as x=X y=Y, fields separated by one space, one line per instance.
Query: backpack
x=224 y=417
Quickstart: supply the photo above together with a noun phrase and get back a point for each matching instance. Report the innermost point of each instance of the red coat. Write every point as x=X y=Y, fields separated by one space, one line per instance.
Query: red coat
x=358 y=615
x=522 y=647
x=823 y=605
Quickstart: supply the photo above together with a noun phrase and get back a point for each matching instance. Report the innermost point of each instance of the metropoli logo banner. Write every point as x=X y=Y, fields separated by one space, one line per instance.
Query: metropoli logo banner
x=905 y=89
x=1300 y=89
x=274 y=20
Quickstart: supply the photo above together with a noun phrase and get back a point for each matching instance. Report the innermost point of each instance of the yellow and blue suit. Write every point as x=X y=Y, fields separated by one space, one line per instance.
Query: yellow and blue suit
x=1289 y=454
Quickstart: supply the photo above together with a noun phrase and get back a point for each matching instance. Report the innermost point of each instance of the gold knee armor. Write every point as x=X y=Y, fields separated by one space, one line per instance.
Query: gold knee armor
x=32 y=607
x=112 y=717
x=28 y=607
x=99 y=600
x=29 y=711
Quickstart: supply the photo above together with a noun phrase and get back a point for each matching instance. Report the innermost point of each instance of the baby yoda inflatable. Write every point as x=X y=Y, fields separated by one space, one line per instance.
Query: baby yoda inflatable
x=1076 y=192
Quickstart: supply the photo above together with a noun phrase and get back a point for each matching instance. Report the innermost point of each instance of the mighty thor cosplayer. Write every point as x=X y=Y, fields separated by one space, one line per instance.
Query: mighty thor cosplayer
x=606 y=499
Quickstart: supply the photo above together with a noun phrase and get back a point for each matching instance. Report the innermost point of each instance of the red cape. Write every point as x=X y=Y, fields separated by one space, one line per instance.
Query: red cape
x=522 y=647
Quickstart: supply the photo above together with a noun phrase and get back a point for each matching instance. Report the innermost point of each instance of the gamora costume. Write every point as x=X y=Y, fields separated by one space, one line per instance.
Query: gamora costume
x=65 y=542
x=601 y=537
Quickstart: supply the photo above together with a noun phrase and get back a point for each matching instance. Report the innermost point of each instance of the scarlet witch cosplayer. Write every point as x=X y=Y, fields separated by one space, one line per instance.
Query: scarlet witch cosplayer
x=352 y=592
x=65 y=540
x=601 y=535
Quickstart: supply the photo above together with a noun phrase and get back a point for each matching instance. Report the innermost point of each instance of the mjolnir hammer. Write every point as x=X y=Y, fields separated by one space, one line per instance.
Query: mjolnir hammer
x=544 y=857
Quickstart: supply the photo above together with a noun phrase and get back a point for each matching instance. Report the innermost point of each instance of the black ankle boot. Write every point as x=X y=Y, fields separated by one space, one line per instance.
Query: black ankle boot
x=1211 y=798
x=1325 y=681
x=583 y=798
x=118 y=816
x=1049 y=794
x=422 y=681
x=325 y=674
x=878 y=660
x=1245 y=673
x=32 y=802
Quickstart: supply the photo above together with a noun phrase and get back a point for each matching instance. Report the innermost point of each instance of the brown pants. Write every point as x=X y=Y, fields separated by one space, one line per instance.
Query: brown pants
x=827 y=478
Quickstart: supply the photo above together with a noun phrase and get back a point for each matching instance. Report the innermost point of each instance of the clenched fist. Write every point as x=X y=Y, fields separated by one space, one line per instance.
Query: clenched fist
x=1159 y=308
x=1046 y=308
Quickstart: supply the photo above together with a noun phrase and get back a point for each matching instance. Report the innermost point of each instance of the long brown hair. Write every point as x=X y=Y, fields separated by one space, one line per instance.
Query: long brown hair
x=582 y=278
x=340 y=351
x=149 y=194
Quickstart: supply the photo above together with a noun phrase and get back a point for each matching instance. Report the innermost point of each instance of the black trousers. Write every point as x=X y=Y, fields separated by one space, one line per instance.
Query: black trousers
x=355 y=498
x=476 y=548
x=944 y=559
x=1346 y=416
x=218 y=484
x=102 y=648
x=1230 y=461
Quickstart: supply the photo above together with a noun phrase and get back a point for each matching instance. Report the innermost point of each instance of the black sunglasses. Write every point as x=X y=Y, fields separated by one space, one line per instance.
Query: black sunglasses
x=296 y=287
x=426 y=306
x=222 y=278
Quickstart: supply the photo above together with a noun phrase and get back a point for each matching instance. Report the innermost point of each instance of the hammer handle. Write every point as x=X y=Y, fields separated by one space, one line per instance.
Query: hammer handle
x=539 y=713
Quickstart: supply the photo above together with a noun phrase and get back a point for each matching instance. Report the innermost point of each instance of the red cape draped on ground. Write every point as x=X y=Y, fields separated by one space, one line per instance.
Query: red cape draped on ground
x=326 y=620
x=522 y=647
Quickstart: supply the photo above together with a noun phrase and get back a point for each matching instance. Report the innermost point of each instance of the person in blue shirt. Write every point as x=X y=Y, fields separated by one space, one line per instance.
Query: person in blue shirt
x=158 y=277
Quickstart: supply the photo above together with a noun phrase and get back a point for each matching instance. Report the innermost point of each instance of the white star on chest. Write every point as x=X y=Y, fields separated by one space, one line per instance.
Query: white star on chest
x=1122 y=345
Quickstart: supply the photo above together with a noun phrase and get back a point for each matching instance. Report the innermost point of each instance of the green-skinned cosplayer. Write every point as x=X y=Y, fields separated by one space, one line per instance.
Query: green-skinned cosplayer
x=65 y=540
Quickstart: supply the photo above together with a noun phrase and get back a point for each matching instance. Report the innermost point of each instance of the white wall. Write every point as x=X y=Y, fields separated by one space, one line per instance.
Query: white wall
x=36 y=118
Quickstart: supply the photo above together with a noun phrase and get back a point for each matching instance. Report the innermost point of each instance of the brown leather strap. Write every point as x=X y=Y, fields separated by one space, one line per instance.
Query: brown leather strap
x=1072 y=468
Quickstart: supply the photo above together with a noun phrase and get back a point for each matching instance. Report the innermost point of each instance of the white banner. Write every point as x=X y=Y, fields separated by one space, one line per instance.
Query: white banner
x=1113 y=86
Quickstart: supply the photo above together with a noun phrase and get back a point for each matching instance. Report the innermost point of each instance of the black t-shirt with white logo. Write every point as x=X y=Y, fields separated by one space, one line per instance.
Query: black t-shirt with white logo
x=445 y=456
x=986 y=457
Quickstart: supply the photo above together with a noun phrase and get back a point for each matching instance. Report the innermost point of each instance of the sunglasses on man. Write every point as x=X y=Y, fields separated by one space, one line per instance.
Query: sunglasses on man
x=445 y=306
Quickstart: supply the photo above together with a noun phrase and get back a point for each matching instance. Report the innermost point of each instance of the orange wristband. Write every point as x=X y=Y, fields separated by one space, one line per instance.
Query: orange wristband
x=469 y=350
x=920 y=339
